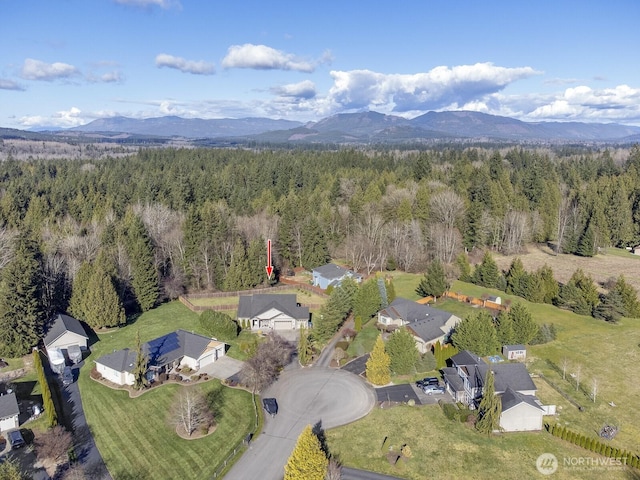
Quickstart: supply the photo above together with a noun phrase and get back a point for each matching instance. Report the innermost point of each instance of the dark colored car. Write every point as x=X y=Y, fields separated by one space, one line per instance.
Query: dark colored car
x=67 y=376
x=270 y=406
x=427 y=381
x=15 y=439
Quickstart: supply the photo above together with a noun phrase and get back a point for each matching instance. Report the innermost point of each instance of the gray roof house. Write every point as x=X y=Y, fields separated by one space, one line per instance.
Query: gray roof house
x=427 y=324
x=272 y=311
x=331 y=275
x=179 y=348
x=9 y=412
x=465 y=379
x=65 y=331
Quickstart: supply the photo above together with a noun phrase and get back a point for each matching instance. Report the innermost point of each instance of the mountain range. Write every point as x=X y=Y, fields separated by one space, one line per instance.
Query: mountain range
x=357 y=128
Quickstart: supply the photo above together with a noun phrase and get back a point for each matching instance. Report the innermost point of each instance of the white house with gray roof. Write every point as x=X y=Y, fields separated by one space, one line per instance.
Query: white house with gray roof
x=65 y=331
x=428 y=325
x=272 y=312
x=175 y=349
x=9 y=412
x=330 y=275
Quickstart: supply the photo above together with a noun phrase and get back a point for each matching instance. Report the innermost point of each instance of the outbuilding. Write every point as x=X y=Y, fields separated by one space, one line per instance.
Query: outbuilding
x=9 y=412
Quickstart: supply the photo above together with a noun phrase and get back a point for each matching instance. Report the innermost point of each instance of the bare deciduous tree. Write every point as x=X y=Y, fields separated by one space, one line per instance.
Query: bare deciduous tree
x=446 y=207
x=444 y=241
x=52 y=447
x=190 y=411
x=577 y=377
x=565 y=365
x=514 y=231
x=594 y=389
x=263 y=368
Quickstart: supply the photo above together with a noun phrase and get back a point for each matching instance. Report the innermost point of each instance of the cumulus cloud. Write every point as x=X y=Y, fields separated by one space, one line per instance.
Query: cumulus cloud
x=304 y=90
x=38 y=70
x=6 y=84
x=114 y=76
x=186 y=66
x=585 y=103
x=64 y=119
x=441 y=87
x=262 y=57
x=164 y=4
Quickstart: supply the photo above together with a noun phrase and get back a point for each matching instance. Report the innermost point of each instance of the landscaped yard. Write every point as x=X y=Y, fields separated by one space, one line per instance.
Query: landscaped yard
x=135 y=436
x=304 y=297
x=443 y=448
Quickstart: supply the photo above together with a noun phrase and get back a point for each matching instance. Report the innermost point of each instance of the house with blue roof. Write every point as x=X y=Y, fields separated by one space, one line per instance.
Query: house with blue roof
x=175 y=349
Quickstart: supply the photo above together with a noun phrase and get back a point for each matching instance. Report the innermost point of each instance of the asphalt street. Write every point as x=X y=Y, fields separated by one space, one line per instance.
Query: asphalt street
x=308 y=396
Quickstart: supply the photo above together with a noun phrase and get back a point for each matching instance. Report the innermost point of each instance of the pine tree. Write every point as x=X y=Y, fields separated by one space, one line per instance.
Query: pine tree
x=315 y=251
x=504 y=329
x=367 y=300
x=629 y=297
x=77 y=303
x=22 y=315
x=391 y=291
x=550 y=287
x=140 y=366
x=103 y=307
x=307 y=461
x=586 y=244
x=434 y=283
x=611 y=308
x=477 y=334
x=237 y=275
x=462 y=262
x=402 y=351
x=490 y=407
x=487 y=273
x=378 y=364
x=145 y=281
x=524 y=327
x=514 y=278
x=304 y=348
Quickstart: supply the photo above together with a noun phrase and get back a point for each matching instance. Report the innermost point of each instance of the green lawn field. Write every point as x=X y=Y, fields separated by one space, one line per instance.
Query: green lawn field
x=135 y=435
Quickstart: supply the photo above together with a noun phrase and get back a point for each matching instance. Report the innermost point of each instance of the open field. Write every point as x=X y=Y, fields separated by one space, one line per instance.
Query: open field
x=134 y=436
x=600 y=267
x=443 y=448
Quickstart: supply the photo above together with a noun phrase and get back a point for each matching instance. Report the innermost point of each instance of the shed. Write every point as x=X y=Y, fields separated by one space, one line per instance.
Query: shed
x=9 y=412
x=514 y=352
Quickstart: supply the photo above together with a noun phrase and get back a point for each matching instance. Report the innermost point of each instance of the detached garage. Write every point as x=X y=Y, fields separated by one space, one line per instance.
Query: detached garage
x=520 y=413
x=64 y=332
x=9 y=412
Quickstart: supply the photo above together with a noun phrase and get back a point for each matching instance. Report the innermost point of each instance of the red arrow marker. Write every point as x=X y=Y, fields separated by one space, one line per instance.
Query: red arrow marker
x=269 y=268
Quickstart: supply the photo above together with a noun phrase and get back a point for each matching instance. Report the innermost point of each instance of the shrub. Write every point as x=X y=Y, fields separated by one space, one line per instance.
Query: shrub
x=218 y=325
x=450 y=410
x=95 y=374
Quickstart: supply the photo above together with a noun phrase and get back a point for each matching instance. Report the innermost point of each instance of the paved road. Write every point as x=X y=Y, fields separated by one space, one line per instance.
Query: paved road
x=357 y=366
x=353 y=474
x=305 y=397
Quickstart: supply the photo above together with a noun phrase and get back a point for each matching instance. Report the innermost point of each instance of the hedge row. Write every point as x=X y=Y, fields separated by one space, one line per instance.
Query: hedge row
x=593 y=444
x=47 y=401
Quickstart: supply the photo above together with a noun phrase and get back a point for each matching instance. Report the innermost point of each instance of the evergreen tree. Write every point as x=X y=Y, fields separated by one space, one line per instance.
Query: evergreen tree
x=477 y=334
x=103 y=307
x=367 y=300
x=611 y=308
x=490 y=407
x=304 y=347
x=256 y=261
x=307 y=461
x=145 y=281
x=391 y=291
x=218 y=325
x=77 y=304
x=550 y=286
x=402 y=351
x=382 y=288
x=524 y=328
x=462 y=262
x=514 y=278
x=22 y=315
x=504 y=329
x=238 y=275
x=378 y=364
x=487 y=273
x=140 y=366
x=629 y=297
x=533 y=288
x=587 y=243
x=315 y=251
x=434 y=283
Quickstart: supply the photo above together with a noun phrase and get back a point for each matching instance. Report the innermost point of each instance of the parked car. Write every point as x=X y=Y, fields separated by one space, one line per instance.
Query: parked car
x=433 y=389
x=270 y=406
x=15 y=439
x=67 y=376
x=427 y=381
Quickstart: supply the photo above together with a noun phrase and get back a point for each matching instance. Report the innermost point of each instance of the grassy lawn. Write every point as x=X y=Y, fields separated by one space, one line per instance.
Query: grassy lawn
x=405 y=284
x=621 y=252
x=363 y=343
x=443 y=448
x=134 y=436
x=303 y=297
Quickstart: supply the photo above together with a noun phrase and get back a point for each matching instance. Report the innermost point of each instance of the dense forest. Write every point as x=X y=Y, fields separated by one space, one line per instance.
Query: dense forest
x=99 y=238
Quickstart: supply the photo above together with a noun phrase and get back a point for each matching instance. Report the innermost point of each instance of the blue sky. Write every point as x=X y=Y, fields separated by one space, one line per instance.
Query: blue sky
x=65 y=63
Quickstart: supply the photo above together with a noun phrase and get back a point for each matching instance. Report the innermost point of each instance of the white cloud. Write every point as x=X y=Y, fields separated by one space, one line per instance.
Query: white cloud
x=261 y=57
x=164 y=4
x=441 y=87
x=584 y=103
x=114 y=76
x=38 y=70
x=304 y=90
x=6 y=84
x=186 y=66
x=64 y=119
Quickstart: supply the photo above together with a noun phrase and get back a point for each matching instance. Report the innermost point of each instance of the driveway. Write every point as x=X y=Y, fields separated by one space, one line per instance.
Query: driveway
x=223 y=368
x=398 y=393
x=305 y=397
x=357 y=366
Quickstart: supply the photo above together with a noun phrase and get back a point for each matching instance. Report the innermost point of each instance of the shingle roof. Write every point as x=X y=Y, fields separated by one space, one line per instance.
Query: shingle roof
x=331 y=271
x=452 y=378
x=509 y=348
x=9 y=405
x=161 y=351
x=61 y=325
x=510 y=398
x=507 y=375
x=465 y=357
x=424 y=321
x=250 y=306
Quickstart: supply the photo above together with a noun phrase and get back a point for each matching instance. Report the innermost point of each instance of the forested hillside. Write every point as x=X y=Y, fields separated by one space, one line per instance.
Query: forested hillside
x=97 y=237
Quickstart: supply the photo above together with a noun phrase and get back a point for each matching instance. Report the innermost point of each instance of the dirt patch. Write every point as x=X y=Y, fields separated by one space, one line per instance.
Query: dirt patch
x=600 y=267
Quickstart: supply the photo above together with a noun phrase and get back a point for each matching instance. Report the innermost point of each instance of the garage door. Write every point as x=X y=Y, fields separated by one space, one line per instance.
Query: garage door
x=282 y=325
x=207 y=360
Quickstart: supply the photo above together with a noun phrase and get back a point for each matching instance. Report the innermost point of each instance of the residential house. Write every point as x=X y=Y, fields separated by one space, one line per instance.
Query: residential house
x=514 y=352
x=65 y=331
x=331 y=275
x=272 y=312
x=9 y=412
x=176 y=349
x=427 y=324
x=520 y=413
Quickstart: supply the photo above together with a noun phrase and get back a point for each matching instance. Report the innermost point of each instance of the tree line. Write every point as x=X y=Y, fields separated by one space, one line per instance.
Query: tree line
x=106 y=238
